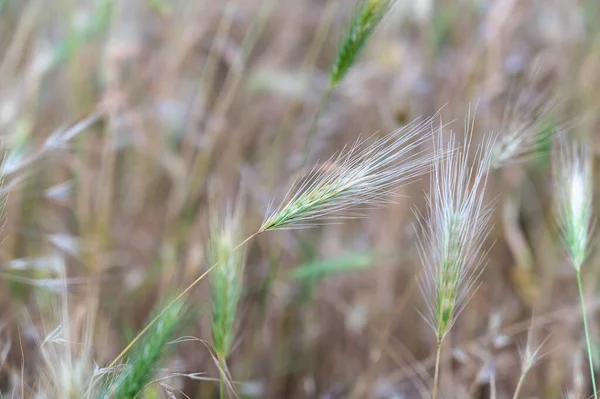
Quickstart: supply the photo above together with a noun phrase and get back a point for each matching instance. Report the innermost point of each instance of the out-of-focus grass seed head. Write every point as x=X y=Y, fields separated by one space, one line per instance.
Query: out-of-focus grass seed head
x=458 y=223
x=67 y=366
x=354 y=178
x=518 y=142
x=367 y=15
x=573 y=181
x=227 y=279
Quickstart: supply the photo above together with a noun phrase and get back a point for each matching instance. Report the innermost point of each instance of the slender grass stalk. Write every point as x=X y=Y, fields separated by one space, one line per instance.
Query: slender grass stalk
x=587 y=334
x=350 y=179
x=436 y=374
x=574 y=192
x=454 y=234
x=519 y=386
x=140 y=370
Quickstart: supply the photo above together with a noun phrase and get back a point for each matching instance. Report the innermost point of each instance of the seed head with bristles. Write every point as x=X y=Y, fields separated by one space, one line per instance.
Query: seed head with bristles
x=367 y=16
x=518 y=142
x=526 y=130
x=226 y=281
x=354 y=178
x=531 y=354
x=573 y=183
x=458 y=223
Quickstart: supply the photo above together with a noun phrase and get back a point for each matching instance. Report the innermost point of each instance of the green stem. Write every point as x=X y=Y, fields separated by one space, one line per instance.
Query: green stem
x=315 y=123
x=222 y=386
x=436 y=375
x=587 y=335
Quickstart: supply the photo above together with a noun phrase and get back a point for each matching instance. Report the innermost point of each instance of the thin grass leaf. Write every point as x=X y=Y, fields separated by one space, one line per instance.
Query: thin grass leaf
x=326 y=267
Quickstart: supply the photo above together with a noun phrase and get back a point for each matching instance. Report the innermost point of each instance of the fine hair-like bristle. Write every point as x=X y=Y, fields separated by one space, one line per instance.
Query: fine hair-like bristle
x=354 y=178
x=226 y=281
x=573 y=182
x=454 y=232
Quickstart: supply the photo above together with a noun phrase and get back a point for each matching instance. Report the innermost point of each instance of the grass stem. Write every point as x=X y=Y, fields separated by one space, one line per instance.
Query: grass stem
x=436 y=375
x=587 y=335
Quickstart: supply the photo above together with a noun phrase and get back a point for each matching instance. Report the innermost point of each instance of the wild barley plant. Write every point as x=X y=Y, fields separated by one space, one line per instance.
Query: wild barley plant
x=226 y=283
x=366 y=17
x=451 y=247
x=573 y=181
x=365 y=175
x=141 y=368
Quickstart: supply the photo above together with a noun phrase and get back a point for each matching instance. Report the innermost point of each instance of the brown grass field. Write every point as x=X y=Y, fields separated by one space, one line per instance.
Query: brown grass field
x=128 y=124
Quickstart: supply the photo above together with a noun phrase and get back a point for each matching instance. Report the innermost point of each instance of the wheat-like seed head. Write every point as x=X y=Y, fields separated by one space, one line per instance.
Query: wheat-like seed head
x=226 y=280
x=367 y=16
x=354 y=178
x=458 y=223
x=573 y=181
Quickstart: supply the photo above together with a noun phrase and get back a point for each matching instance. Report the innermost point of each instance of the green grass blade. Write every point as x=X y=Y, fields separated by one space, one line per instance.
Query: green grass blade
x=325 y=267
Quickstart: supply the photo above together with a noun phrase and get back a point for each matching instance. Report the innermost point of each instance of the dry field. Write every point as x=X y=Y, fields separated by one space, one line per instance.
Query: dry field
x=439 y=160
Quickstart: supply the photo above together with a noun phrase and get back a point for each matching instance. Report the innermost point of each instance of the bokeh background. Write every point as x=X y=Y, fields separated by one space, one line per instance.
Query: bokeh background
x=123 y=120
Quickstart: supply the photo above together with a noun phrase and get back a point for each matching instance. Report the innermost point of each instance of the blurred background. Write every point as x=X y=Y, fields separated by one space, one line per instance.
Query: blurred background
x=125 y=121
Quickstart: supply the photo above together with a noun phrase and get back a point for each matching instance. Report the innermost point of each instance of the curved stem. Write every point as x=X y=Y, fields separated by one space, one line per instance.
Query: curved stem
x=587 y=335
x=436 y=375
x=178 y=297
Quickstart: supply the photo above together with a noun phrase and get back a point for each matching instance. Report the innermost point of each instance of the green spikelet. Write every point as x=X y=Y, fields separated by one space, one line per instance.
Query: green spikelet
x=367 y=16
x=141 y=367
x=226 y=281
